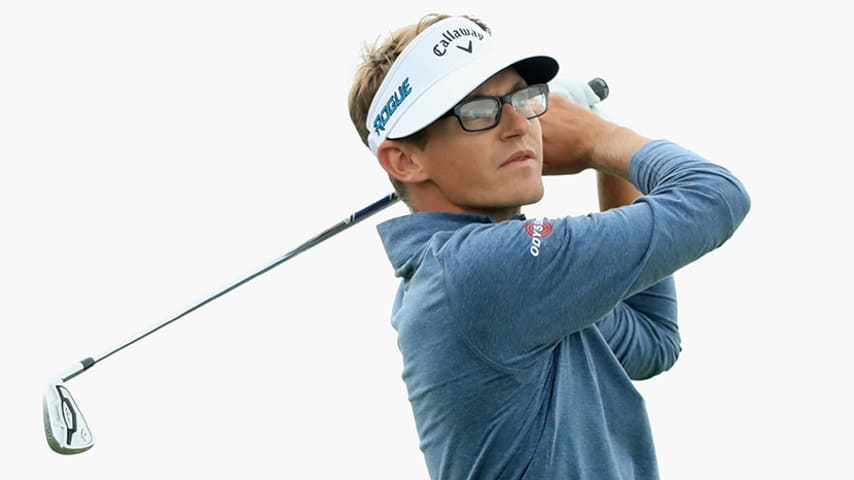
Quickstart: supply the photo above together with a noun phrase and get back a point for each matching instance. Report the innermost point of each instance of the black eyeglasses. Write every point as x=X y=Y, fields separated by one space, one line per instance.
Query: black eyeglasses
x=484 y=112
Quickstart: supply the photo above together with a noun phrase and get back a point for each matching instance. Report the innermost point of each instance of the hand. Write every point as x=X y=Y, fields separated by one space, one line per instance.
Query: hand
x=570 y=133
x=577 y=136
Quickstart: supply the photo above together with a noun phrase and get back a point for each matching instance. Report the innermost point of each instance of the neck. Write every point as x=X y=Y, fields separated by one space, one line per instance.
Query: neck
x=426 y=199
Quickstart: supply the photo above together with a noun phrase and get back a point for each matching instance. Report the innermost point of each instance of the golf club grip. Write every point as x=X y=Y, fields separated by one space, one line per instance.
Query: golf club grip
x=600 y=87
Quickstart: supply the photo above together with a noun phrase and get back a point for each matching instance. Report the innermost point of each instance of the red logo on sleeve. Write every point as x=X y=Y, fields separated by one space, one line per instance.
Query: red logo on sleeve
x=538 y=230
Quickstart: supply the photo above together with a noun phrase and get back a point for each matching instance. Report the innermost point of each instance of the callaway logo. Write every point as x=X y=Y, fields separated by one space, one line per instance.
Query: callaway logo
x=538 y=230
x=449 y=36
x=394 y=101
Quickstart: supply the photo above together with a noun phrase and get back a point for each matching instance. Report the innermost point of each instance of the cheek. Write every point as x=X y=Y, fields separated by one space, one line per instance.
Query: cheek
x=454 y=154
x=466 y=159
x=472 y=146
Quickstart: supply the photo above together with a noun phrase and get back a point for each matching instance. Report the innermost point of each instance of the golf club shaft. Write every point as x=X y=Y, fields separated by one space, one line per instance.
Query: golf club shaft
x=600 y=88
x=348 y=222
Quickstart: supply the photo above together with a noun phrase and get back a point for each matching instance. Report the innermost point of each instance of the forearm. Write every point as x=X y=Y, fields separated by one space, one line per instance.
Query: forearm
x=611 y=160
x=613 y=148
x=614 y=191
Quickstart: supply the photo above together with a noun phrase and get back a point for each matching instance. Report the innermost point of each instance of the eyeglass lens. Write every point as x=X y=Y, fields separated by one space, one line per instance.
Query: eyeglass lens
x=483 y=113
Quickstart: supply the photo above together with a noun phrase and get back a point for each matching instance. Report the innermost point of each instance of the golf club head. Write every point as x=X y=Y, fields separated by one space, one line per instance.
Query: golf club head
x=64 y=426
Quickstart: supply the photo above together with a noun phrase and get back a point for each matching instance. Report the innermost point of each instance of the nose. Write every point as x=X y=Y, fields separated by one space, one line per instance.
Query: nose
x=513 y=122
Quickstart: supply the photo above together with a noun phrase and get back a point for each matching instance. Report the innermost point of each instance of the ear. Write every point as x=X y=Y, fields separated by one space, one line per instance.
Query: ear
x=401 y=162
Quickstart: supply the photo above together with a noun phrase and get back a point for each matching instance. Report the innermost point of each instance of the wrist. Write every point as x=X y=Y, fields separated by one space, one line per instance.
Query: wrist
x=613 y=150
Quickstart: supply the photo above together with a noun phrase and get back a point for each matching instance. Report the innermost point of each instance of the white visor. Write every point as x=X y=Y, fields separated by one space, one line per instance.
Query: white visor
x=442 y=65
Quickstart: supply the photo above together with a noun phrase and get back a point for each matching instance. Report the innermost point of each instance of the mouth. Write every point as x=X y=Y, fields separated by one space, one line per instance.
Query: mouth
x=521 y=156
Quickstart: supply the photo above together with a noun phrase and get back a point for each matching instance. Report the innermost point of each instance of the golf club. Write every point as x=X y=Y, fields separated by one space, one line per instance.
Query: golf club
x=65 y=428
x=67 y=431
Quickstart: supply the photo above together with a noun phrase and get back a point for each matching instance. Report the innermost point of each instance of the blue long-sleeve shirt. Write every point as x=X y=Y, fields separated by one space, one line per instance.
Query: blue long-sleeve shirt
x=520 y=338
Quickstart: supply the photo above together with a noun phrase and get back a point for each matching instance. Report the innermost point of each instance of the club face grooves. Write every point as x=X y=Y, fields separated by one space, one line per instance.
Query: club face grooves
x=65 y=428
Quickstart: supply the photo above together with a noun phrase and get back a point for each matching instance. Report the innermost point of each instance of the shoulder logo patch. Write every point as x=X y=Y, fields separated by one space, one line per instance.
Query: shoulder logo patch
x=537 y=230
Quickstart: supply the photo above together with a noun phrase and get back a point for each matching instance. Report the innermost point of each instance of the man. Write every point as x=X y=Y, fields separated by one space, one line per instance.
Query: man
x=520 y=338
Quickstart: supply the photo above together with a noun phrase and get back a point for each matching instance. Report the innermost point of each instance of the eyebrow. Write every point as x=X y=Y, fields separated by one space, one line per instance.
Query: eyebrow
x=516 y=86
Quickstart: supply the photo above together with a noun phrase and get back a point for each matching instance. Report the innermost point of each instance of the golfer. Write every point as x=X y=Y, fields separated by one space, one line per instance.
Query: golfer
x=521 y=337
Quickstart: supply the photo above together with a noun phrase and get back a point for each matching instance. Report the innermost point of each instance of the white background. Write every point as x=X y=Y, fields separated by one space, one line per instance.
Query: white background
x=153 y=152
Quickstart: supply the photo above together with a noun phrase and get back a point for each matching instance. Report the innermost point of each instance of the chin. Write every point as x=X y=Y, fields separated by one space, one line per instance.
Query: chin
x=527 y=196
x=532 y=199
x=534 y=193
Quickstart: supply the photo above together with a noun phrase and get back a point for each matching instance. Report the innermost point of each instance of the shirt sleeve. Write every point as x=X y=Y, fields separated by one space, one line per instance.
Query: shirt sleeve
x=520 y=286
x=642 y=330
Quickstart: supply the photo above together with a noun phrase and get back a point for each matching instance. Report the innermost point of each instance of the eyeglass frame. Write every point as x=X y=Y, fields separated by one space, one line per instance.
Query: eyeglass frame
x=502 y=100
